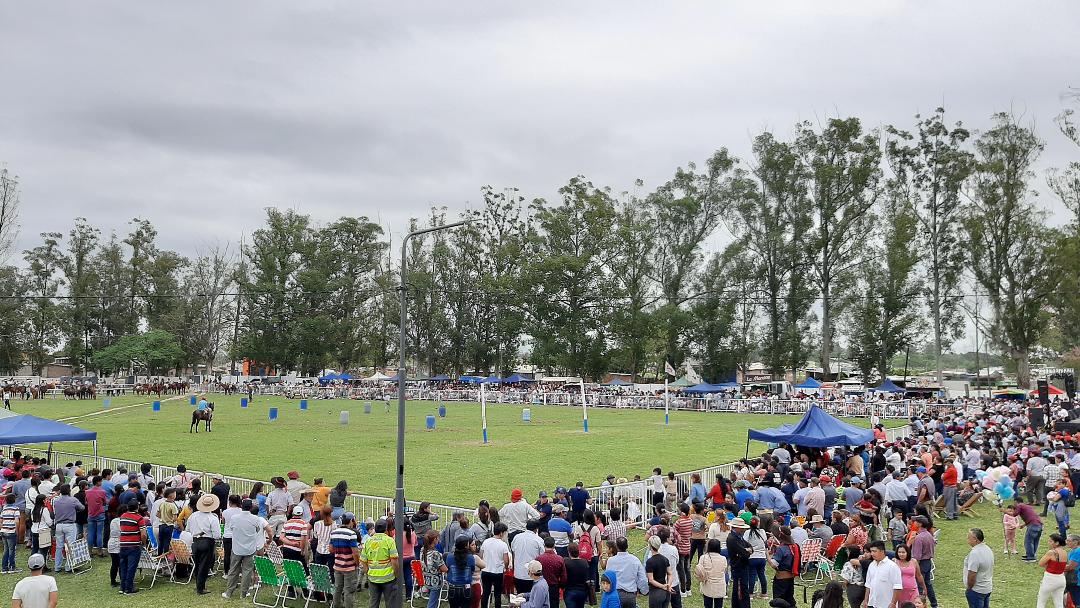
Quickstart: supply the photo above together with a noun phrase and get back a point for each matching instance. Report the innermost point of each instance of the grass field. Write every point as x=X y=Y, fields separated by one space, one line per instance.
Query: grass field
x=449 y=465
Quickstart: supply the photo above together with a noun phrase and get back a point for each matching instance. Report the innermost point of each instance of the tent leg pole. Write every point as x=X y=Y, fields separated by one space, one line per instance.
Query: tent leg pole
x=95 y=454
x=48 y=454
x=747 y=455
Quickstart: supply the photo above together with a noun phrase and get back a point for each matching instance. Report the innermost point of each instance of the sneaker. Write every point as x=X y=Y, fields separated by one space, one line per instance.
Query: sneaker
x=226 y=596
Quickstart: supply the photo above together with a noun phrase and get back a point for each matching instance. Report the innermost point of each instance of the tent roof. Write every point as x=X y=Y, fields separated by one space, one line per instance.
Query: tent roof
x=330 y=377
x=887 y=386
x=376 y=377
x=817 y=429
x=705 y=387
x=810 y=382
x=1051 y=390
x=619 y=382
x=681 y=382
x=31 y=429
x=440 y=378
x=517 y=378
x=492 y=379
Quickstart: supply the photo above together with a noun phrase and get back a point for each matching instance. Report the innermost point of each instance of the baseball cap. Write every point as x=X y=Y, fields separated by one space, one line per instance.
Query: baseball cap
x=543 y=494
x=920 y=470
x=655 y=543
x=347 y=517
x=535 y=567
x=515 y=494
x=293 y=475
x=826 y=479
x=856 y=479
x=36 y=561
x=298 y=510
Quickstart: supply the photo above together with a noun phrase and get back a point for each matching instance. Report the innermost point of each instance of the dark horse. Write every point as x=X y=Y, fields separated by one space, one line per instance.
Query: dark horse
x=197 y=415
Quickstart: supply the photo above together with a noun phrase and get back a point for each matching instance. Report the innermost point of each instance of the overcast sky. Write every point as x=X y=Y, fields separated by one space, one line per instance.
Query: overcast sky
x=197 y=115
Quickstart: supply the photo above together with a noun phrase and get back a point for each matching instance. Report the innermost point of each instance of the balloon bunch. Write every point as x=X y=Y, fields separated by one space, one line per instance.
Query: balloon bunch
x=998 y=486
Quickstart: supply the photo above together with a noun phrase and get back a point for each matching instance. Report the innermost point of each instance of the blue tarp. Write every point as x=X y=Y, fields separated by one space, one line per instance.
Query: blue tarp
x=470 y=379
x=329 y=378
x=705 y=387
x=440 y=378
x=727 y=386
x=817 y=429
x=344 y=376
x=887 y=387
x=517 y=378
x=31 y=429
x=619 y=382
x=490 y=380
x=810 y=382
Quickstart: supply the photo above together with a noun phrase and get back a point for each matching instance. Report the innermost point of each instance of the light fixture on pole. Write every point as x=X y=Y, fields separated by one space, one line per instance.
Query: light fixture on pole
x=399 y=490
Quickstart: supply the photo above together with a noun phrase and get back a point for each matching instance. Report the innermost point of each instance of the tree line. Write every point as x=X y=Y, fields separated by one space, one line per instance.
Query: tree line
x=848 y=241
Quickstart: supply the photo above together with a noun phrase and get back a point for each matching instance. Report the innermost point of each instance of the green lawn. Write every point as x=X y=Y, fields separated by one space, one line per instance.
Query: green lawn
x=449 y=465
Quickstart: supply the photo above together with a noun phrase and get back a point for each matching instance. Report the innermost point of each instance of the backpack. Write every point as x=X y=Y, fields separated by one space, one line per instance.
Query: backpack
x=1070 y=501
x=585 y=545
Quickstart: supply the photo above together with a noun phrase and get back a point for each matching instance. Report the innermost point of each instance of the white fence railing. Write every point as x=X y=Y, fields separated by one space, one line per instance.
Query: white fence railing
x=633 y=498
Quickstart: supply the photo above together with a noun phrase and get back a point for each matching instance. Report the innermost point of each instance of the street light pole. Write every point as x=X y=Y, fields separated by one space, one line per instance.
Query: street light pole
x=399 y=490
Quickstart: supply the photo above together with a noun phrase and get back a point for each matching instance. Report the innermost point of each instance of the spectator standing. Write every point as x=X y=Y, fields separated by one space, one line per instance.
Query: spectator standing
x=65 y=508
x=979 y=570
x=380 y=560
x=883 y=580
x=36 y=590
x=249 y=532
x=345 y=544
x=205 y=528
x=132 y=533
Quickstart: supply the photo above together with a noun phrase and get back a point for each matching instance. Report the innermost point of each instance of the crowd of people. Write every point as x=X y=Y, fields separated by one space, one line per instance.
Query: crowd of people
x=872 y=508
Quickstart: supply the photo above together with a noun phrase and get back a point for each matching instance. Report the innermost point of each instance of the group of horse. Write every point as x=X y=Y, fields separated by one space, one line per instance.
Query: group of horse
x=160 y=388
x=28 y=391
x=80 y=391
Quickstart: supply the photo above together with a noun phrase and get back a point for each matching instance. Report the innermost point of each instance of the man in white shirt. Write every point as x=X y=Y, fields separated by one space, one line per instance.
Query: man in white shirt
x=496 y=555
x=883 y=579
x=515 y=514
x=249 y=533
x=36 y=590
x=526 y=546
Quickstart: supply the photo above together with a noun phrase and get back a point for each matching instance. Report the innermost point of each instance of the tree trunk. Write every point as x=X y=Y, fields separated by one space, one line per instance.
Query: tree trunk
x=826 y=331
x=1023 y=368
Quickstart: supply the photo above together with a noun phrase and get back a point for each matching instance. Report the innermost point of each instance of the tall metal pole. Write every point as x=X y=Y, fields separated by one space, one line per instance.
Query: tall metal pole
x=399 y=490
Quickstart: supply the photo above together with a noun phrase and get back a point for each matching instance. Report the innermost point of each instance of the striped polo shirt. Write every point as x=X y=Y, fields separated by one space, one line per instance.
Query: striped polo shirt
x=342 y=543
x=130 y=526
x=294 y=533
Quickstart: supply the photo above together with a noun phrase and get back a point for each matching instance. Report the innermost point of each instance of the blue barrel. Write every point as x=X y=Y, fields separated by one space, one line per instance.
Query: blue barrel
x=367 y=407
x=430 y=422
x=526 y=415
x=442 y=411
x=344 y=417
x=243 y=402
x=193 y=402
x=303 y=404
x=157 y=406
x=106 y=403
x=273 y=413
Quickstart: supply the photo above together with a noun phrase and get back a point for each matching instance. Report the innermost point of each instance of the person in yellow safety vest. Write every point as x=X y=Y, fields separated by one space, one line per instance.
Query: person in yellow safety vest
x=379 y=559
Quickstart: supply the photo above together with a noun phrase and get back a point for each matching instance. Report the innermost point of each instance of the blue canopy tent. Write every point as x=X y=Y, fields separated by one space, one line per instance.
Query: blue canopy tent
x=441 y=378
x=395 y=377
x=490 y=380
x=817 y=429
x=517 y=378
x=619 y=382
x=470 y=379
x=703 y=388
x=344 y=376
x=887 y=387
x=329 y=378
x=727 y=386
x=810 y=382
x=31 y=429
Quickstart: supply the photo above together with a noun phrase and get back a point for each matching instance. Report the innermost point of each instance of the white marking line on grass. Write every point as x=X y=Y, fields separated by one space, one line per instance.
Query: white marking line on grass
x=115 y=409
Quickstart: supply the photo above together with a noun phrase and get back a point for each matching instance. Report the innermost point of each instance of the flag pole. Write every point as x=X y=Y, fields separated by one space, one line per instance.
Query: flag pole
x=584 y=406
x=483 y=410
x=667 y=417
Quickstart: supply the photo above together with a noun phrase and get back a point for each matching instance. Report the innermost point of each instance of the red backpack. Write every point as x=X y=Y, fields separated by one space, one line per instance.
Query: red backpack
x=585 y=545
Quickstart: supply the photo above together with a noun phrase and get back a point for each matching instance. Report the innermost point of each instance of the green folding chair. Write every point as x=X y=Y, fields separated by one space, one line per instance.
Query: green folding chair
x=295 y=577
x=321 y=582
x=268 y=577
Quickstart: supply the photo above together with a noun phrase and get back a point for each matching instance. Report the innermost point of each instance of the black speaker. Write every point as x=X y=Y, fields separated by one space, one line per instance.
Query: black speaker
x=1070 y=386
x=1036 y=415
x=1044 y=392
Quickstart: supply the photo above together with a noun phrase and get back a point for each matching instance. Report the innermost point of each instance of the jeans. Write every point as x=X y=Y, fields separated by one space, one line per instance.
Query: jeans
x=114 y=568
x=1031 y=540
x=9 y=551
x=65 y=533
x=757 y=573
x=433 y=596
x=659 y=598
x=406 y=569
x=949 y=494
x=713 y=602
x=575 y=598
x=164 y=542
x=491 y=584
x=239 y=574
x=784 y=588
x=95 y=531
x=683 y=567
x=379 y=591
x=129 y=564
x=345 y=588
x=977 y=600
x=926 y=565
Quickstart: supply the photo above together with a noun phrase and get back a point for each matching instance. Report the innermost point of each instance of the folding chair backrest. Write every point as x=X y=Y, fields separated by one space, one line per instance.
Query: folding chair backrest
x=180 y=552
x=321 y=580
x=811 y=551
x=417 y=573
x=267 y=571
x=841 y=559
x=146 y=562
x=273 y=552
x=834 y=546
x=294 y=573
x=79 y=553
x=152 y=539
